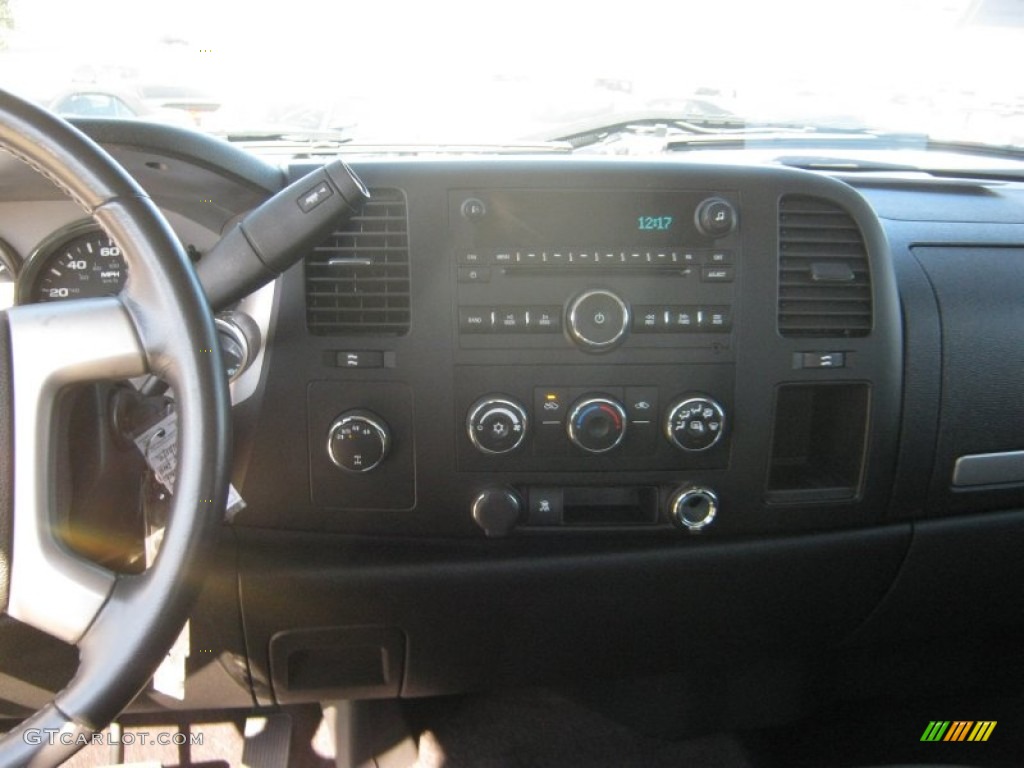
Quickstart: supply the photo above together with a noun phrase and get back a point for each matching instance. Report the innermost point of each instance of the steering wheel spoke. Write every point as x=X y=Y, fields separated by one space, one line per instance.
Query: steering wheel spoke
x=57 y=344
x=160 y=323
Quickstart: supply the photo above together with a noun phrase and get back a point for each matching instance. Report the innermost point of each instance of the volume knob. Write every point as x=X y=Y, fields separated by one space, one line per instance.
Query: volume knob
x=598 y=320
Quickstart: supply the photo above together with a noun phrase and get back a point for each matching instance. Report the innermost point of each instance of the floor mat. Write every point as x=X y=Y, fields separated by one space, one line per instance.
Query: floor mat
x=542 y=729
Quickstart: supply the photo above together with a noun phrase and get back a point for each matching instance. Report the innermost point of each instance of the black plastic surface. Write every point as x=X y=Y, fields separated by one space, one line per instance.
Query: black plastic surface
x=982 y=410
x=496 y=612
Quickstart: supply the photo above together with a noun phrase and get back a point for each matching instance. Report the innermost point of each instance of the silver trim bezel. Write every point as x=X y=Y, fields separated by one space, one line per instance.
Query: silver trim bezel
x=683 y=495
x=56 y=344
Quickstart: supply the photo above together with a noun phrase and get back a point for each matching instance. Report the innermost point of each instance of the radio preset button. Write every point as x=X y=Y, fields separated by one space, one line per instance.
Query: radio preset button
x=598 y=319
x=715 y=319
x=545 y=319
x=510 y=320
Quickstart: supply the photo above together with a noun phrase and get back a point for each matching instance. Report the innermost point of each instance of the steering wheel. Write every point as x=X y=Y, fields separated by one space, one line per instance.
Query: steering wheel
x=122 y=625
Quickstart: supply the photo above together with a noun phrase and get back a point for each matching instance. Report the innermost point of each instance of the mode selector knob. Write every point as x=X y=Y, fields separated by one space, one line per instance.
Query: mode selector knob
x=597 y=423
x=597 y=320
x=496 y=425
x=358 y=441
x=695 y=423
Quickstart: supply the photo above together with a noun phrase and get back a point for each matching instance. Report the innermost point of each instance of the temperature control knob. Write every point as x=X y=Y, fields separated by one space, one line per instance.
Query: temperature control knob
x=695 y=424
x=598 y=320
x=358 y=441
x=693 y=508
x=597 y=424
x=496 y=425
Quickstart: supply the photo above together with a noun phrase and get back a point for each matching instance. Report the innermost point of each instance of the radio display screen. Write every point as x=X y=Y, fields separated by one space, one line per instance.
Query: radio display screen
x=547 y=218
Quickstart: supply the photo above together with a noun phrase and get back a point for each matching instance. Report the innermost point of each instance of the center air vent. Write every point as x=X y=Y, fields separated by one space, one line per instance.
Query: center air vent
x=824 y=277
x=357 y=280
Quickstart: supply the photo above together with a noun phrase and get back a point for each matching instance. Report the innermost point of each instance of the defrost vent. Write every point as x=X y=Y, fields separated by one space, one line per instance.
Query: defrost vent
x=357 y=280
x=824 y=275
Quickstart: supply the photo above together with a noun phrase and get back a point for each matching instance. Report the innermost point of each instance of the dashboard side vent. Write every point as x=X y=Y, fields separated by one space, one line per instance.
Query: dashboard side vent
x=824 y=276
x=357 y=280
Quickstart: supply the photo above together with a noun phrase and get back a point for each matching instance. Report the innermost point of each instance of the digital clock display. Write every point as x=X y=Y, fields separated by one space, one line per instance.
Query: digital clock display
x=654 y=223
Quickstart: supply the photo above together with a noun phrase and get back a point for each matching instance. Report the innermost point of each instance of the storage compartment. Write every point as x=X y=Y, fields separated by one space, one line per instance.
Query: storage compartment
x=978 y=461
x=818 y=442
x=337 y=663
x=610 y=506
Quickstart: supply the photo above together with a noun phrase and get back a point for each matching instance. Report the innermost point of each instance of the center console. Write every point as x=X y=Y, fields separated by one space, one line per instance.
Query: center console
x=712 y=352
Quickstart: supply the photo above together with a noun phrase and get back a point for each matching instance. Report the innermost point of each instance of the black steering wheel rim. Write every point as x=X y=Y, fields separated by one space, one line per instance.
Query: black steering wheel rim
x=136 y=618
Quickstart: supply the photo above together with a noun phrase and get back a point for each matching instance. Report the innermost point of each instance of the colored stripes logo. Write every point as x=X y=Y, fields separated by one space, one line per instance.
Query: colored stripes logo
x=958 y=730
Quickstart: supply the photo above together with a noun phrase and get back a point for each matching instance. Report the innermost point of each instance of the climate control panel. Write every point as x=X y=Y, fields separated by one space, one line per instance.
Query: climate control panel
x=654 y=417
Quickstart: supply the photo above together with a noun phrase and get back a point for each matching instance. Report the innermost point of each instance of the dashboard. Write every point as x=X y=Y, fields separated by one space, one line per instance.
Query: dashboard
x=548 y=418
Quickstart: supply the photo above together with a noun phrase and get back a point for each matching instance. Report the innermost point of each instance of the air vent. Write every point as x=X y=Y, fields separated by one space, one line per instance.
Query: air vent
x=357 y=280
x=824 y=278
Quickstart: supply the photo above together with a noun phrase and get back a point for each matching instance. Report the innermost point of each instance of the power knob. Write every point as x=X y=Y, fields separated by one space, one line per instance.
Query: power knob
x=597 y=320
x=693 y=508
x=358 y=441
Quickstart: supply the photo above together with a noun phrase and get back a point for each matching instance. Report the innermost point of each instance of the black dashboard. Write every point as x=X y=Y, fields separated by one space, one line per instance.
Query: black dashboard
x=563 y=418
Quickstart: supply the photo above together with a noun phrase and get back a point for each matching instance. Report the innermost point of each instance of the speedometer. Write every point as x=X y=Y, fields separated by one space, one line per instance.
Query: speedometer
x=80 y=261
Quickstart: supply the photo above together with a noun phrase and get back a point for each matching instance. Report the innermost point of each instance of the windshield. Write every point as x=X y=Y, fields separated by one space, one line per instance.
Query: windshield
x=464 y=72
